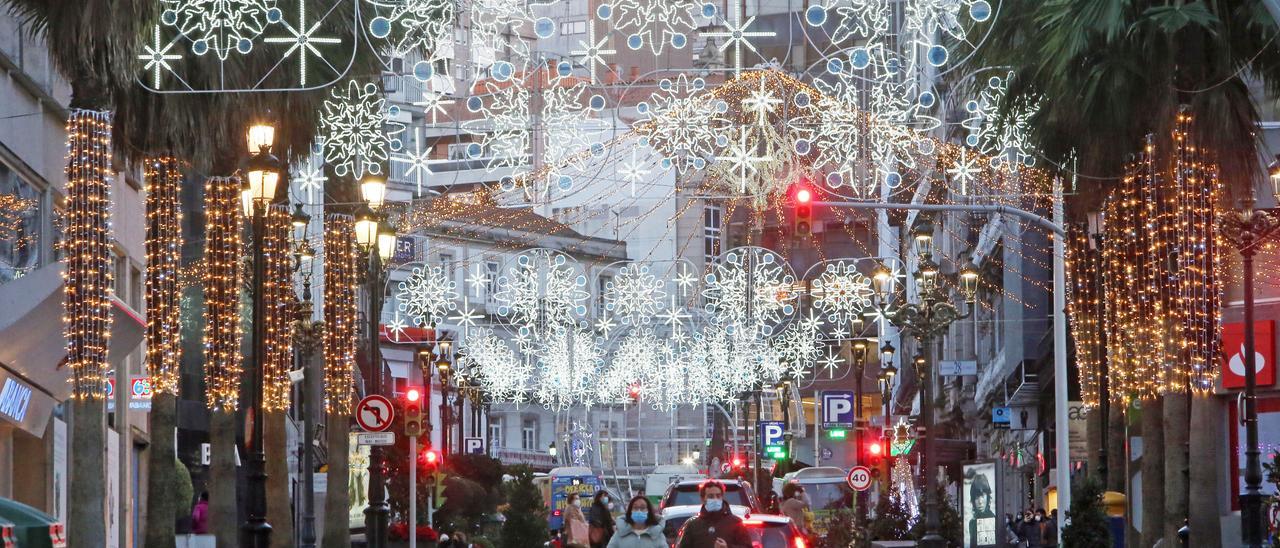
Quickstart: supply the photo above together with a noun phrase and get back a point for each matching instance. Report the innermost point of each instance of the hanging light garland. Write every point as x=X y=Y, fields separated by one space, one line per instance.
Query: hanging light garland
x=1086 y=310
x=222 y=366
x=339 y=312
x=164 y=251
x=87 y=306
x=279 y=302
x=1160 y=293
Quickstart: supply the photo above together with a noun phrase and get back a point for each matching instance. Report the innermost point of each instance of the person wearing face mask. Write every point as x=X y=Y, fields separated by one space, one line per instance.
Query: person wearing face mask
x=639 y=526
x=600 y=520
x=575 y=523
x=714 y=526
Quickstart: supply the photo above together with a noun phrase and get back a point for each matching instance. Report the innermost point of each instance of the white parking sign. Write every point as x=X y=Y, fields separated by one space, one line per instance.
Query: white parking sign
x=837 y=408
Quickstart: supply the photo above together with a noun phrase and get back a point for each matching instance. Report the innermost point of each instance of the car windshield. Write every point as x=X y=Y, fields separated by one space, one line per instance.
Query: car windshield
x=770 y=535
x=671 y=529
x=687 y=495
x=828 y=496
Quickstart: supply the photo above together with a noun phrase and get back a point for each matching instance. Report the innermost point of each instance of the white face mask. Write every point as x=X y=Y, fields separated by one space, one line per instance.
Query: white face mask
x=577 y=502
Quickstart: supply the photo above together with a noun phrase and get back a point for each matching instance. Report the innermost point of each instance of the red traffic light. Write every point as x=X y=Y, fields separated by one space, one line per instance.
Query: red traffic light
x=875 y=449
x=804 y=195
x=412 y=395
x=737 y=461
x=634 y=390
x=429 y=457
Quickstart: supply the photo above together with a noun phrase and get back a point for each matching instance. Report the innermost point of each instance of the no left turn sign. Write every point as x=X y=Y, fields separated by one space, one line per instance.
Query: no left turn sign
x=859 y=478
x=374 y=413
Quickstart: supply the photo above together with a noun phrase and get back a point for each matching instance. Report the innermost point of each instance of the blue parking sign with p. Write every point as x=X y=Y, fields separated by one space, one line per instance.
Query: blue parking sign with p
x=838 y=408
x=771 y=433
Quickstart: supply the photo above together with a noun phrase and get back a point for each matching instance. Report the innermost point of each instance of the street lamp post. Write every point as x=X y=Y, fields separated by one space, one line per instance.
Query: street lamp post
x=443 y=368
x=261 y=175
x=377 y=240
x=1246 y=230
x=307 y=337
x=926 y=318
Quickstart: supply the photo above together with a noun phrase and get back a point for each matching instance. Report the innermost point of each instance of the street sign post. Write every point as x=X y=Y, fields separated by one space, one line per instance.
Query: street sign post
x=838 y=409
x=956 y=368
x=859 y=478
x=374 y=413
x=376 y=438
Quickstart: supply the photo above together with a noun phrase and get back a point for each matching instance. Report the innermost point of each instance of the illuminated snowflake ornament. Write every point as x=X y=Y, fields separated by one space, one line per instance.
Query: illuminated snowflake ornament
x=653 y=23
x=427 y=295
x=352 y=126
x=502 y=121
x=566 y=108
x=420 y=26
x=303 y=41
x=680 y=121
x=567 y=371
x=750 y=288
x=832 y=126
x=799 y=347
x=842 y=293
x=1002 y=135
x=634 y=294
x=494 y=364
x=222 y=26
x=542 y=295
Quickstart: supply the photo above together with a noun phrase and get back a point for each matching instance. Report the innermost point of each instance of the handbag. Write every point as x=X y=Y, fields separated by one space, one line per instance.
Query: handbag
x=597 y=534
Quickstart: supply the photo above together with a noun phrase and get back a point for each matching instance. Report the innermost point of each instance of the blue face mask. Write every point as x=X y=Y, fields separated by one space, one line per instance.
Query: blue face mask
x=713 y=505
x=639 y=516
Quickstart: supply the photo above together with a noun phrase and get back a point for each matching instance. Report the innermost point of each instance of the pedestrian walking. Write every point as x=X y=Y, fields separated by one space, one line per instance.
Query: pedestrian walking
x=200 y=515
x=576 y=531
x=600 y=521
x=640 y=526
x=796 y=507
x=715 y=526
x=1012 y=527
x=1037 y=533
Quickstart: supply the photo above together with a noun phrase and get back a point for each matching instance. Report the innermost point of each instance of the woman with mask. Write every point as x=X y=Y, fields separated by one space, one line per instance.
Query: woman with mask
x=639 y=527
x=600 y=520
x=575 y=523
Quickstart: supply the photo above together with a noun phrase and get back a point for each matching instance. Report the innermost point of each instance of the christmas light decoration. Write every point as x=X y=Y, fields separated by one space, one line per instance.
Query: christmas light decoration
x=634 y=295
x=842 y=292
x=491 y=361
x=680 y=122
x=220 y=27
x=1160 y=276
x=279 y=305
x=652 y=23
x=354 y=143
x=751 y=288
x=87 y=246
x=542 y=294
x=1002 y=135
x=426 y=295
x=302 y=40
x=222 y=277
x=164 y=252
x=568 y=364
x=341 y=267
x=737 y=35
x=424 y=27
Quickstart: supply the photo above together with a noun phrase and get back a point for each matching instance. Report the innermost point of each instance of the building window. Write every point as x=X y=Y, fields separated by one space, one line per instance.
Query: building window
x=20 y=217
x=491 y=278
x=529 y=436
x=573 y=27
x=477 y=417
x=495 y=432
x=601 y=284
x=712 y=232
x=448 y=266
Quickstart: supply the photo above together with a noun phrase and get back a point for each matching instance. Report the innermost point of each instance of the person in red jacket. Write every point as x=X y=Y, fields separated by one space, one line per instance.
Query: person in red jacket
x=200 y=515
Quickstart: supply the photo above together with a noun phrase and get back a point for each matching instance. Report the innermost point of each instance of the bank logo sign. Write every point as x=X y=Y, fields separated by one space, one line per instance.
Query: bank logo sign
x=15 y=398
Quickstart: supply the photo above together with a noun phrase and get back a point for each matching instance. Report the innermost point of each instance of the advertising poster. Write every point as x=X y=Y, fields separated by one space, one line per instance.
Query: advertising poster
x=60 y=470
x=978 y=504
x=357 y=480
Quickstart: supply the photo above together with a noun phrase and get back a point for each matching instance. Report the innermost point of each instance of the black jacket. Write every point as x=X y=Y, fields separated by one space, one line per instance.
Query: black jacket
x=599 y=516
x=703 y=530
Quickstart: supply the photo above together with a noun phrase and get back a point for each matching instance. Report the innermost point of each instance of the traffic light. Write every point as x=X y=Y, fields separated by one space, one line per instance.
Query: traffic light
x=875 y=450
x=413 y=412
x=802 y=214
x=634 y=391
x=429 y=460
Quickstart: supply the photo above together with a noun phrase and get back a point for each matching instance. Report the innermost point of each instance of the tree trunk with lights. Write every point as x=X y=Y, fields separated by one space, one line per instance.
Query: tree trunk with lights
x=337 y=528
x=1153 y=516
x=1205 y=464
x=279 y=507
x=1176 y=429
x=1117 y=448
x=224 y=520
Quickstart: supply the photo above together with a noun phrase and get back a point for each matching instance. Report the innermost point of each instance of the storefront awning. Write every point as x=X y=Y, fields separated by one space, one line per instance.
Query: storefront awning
x=32 y=349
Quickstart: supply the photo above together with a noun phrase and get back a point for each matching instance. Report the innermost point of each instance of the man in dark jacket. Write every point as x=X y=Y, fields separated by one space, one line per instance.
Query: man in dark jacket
x=715 y=526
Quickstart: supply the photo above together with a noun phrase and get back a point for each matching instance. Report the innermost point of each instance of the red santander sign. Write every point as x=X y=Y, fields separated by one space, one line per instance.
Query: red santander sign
x=1233 y=356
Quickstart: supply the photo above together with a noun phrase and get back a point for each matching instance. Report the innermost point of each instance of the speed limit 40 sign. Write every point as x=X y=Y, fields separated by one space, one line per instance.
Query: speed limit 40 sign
x=859 y=478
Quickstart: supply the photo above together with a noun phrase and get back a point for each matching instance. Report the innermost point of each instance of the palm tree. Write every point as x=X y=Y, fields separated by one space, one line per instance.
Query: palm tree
x=92 y=47
x=1152 y=518
x=1128 y=67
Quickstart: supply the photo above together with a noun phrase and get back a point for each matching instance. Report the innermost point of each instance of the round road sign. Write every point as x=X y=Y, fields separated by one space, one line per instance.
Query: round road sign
x=374 y=413
x=859 y=478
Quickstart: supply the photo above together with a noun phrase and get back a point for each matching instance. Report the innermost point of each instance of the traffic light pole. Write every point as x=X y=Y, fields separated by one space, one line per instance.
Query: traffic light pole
x=413 y=491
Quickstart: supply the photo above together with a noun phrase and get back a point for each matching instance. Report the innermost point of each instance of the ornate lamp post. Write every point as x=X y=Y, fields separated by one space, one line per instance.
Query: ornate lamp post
x=378 y=240
x=307 y=337
x=925 y=318
x=259 y=190
x=443 y=368
x=1246 y=230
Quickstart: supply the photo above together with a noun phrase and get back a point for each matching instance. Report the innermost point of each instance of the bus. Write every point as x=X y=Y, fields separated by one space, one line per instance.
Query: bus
x=827 y=489
x=563 y=481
